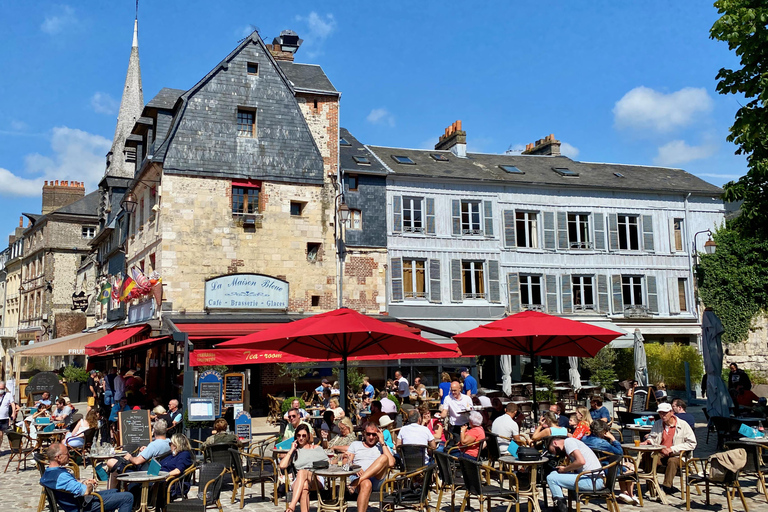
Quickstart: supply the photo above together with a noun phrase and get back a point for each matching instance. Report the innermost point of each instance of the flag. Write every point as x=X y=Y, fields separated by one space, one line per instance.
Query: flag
x=106 y=292
x=128 y=285
x=141 y=280
x=157 y=293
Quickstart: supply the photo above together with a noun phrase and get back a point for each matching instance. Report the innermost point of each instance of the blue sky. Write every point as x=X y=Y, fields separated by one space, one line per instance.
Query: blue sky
x=626 y=82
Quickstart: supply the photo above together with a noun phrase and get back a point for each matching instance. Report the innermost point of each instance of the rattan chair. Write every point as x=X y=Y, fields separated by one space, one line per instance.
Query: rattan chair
x=730 y=483
x=447 y=478
x=258 y=470
x=755 y=465
x=607 y=474
x=210 y=483
x=82 y=451
x=471 y=471
x=54 y=505
x=412 y=457
x=21 y=447
x=407 y=490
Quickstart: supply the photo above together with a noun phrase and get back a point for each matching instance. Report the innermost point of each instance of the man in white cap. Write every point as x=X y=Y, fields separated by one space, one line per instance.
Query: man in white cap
x=675 y=436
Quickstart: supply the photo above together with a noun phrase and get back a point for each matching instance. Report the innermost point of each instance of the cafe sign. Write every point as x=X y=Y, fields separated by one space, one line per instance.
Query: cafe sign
x=246 y=291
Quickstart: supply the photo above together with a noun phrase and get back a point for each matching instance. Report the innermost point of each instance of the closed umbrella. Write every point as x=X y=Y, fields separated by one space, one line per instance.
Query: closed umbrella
x=719 y=401
x=573 y=373
x=506 y=374
x=641 y=362
x=341 y=333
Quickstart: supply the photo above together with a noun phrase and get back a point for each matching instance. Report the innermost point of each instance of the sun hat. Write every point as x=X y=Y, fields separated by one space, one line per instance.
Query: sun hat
x=665 y=407
x=385 y=421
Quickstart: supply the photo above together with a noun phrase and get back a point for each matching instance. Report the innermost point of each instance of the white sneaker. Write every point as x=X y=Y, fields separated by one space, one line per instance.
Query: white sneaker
x=636 y=500
x=626 y=498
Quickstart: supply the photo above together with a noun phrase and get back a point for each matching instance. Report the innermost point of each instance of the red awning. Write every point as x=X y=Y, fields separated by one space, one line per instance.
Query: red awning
x=131 y=346
x=114 y=338
x=228 y=331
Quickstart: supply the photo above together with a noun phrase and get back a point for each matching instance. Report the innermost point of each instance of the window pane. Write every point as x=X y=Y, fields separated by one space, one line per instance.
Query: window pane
x=408 y=278
x=420 y=278
x=681 y=294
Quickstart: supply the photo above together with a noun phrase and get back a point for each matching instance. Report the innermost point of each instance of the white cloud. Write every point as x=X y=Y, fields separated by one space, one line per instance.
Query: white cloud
x=677 y=152
x=62 y=18
x=103 y=103
x=18 y=126
x=381 y=116
x=319 y=28
x=76 y=156
x=721 y=176
x=646 y=109
x=569 y=150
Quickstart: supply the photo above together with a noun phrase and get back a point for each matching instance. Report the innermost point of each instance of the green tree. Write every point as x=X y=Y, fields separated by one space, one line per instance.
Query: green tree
x=743 y=25
x=294 y=371
x=602 y=367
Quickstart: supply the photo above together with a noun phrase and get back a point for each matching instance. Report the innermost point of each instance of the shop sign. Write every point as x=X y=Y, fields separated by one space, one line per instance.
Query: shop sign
x=246 y=291
x=80 y=301
x=141 y=312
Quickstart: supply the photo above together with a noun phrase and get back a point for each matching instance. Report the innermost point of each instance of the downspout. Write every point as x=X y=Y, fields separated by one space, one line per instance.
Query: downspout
x=690 y=259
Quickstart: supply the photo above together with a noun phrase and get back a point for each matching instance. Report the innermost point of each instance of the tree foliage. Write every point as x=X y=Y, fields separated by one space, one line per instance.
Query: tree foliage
x=734 y=281
x=602 y=367
x=743 y=25
x=666 y=363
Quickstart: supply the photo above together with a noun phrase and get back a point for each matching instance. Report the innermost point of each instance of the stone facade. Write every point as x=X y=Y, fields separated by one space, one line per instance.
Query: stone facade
x=750 y=355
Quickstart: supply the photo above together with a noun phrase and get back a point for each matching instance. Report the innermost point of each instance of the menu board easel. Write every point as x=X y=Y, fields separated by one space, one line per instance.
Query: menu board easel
x=135 y=429
x=234 y=388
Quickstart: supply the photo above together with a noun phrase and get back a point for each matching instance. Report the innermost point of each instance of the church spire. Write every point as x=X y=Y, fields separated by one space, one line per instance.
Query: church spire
x=131 y=105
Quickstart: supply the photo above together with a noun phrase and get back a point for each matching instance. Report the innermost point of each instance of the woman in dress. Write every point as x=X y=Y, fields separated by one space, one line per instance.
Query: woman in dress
x=303 y=454
x=76 y=438
x=333 y=405
x=346 y=437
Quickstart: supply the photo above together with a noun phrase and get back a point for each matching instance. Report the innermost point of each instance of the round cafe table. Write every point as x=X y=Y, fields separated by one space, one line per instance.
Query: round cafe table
x=639 y=430
x=146 y=482
x=763 y=441
x=336 y=479
x=650 y=476
x=47 y=438
x=532 y=492
x=95 y=459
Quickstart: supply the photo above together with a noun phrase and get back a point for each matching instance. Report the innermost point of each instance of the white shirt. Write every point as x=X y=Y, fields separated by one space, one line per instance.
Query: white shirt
x=591 y=461
x=403 y=390
x=387 y=406
x=505 y=426
x=364 y=454
x=5 y=405
x=457 y=406
x=415 y=434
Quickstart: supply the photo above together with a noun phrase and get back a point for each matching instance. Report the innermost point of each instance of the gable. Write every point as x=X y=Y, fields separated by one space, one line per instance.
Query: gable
x=205 y=141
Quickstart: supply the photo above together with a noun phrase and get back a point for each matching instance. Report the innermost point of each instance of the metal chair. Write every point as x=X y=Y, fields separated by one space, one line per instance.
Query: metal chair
x=210 y=483
x=219 y=453
x=82 y=451
x=447 y=478
x=727 y=430
x=730 y=483
x=754 y=466
x=54 y=505
x=178 y=486
x=412 y=457
x=21 y=447
x=492 y=447
x=261 y=472
x=407 y=490
x=471 y=471
x=607 y=474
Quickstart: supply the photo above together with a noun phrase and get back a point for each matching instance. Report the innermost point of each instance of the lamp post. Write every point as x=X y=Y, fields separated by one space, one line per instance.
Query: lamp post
x=709 y=247
x=343 y=216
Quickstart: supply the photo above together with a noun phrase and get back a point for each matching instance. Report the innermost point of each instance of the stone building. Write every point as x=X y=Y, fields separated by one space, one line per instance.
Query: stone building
x=10 y=276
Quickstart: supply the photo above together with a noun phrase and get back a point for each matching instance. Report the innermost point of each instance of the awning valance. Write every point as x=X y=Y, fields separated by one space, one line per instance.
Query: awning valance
x=131 y=346
x=72 y=345
x=114 y=338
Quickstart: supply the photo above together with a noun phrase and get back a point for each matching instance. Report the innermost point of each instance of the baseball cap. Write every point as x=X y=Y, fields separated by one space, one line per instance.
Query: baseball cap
x=325 y=381
x=665 y=407
x=385 y=421
x=464 y=370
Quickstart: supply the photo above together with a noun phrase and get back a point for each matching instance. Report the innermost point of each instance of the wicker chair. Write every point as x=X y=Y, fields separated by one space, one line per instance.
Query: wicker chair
x=259 y=470
x=407 y=490
x=21 y=447
x=412 y=457
x=607 y=474
x=82 y=451
x=448 y=479
x=471 y=471
x=210 y=483
x=754 y=466
x=730 y=483
x=54 y=506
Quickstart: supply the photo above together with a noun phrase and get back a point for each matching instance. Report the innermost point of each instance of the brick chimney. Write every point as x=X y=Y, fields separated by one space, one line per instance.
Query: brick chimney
x=546 y=146
x=57 y=194
x=285 y=46
x=454 y=139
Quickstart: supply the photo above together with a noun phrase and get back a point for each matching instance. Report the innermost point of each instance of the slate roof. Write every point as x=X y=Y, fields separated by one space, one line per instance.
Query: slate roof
x=538 y=170
x=165 y=99
x=307 y=77
x=356 y=148
x=89 y=205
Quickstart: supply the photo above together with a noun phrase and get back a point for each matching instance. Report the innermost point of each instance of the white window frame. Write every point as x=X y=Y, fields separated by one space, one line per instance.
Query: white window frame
x=355 y=221
x=476 y=271
x=88 y=232
x=675 y=231
x=413 y=294
x=578 y=290
x=412 y=205
x=470 y=208
x=633 y=281
x=581 y=220
x=627 y=225
x=527 y=282
x=530 y=229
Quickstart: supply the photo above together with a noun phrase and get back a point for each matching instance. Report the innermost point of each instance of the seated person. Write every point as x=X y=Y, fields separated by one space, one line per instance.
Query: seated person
x=497 y=408
x=387 y=424
x=579 y=423
x=303 y=454
x=220 y=434
x=346 y=437
x=435 y=426
x=363 y=408
x=376 y=412
x=296 y=404
x=160 y=446
x=471 y=436
x=746 y=398
x=679 y=407
x=180 y=459
x=335 y=391
x=159 y=413
x=548 y=427
x=57 y=477
x=44 y=403
x=415 y=434
x=761 y=408
x=333 y=405
x=580 y=458
x=562 y=419
x=328 y=428
x=599 y=411
x=76 y=438
x=675 y=436
x=374 y=458
x=326 y=398
x=507 y=429
x=62 y=412
x=294 y=420
x=601 y=439
x=119 y=406
x=174 y=412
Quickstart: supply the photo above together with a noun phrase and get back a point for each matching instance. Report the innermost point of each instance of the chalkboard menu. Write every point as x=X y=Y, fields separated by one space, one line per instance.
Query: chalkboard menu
x=135 y=430
x=234 y=386
x=243 y=426
x=45 y=381
x=639 y=399
x=209 y=386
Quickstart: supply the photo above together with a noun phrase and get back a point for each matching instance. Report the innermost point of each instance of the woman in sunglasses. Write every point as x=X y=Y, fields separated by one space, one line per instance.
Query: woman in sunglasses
x=303 y=454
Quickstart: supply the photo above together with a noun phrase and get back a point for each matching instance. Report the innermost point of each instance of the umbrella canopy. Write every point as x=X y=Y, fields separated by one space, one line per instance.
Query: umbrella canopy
x=719 y=401
x=535 y=334
x=506 y=374
x=573 y=373
x=641 y=363
x=340 y=333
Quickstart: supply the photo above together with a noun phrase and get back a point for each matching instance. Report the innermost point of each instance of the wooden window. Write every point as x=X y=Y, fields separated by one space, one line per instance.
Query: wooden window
x=677 y=226
x=681 y=293
x=632 y=291
x=473 y=279
x=296 y=208
x=412 y=215
x=245 y=200
x=246 y=122
x=414 y=282
x=355 y=219
x=89 y=231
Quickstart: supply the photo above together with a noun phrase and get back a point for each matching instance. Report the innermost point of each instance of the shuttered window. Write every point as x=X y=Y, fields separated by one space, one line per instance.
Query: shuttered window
x=632 y=291
x=583 y=290
x=473 y=279
x=414 y=279
x=527 y=229
x=531 y=296
x=578 y=231
x=629 y=232
x=412 y=215
x=471 y=218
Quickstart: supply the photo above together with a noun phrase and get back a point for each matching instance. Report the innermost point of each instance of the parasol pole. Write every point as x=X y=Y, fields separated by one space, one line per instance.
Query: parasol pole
x=343 y=384
x=533 y=387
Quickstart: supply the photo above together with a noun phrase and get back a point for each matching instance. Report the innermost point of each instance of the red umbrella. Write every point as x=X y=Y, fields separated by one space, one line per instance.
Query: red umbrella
x=340 y=333
x=534 y=334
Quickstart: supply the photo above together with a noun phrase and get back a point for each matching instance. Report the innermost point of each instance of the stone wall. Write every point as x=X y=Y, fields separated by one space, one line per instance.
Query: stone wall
x=751 y=354
x=365 y=280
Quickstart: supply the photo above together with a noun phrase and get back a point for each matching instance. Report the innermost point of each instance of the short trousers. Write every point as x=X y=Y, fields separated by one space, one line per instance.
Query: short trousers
x=5 y=424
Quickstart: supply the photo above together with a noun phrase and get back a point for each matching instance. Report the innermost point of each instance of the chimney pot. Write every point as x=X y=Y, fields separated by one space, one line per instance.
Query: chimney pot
x=458 y=125
x=551 y=136
x=57 y=183
x=21 y=221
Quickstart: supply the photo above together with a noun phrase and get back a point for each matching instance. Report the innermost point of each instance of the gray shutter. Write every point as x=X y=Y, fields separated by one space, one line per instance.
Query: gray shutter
x=551 y=284
x=603 y=300
x=618 y=300
x=488 y=217
x=549 y=230
x=456 y=291
x=396 y=265
x=562 y=231
x=494 y=291
x=430 y=216
x=434 y=281
x=671 y=223
x=566 y=292
x=456 y=216
x=613 y=231
x=509 y=228
x=653 y=296
x=648 y=233
x=397 y=214
x=673 y=296
x=513 y=288
x=599 y=223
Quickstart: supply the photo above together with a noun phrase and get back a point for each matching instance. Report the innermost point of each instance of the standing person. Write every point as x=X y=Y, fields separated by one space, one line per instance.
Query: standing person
x=119 y=385
x=8 y=410
x=368 y=390
x=444 y=389
x=675 y=436
x=738 y=378
x=109 y=387
x=174 y=413
x=582 y=458
x=679 y=408
x=93 y=387
x=374 y=458
x=470 y=384
x=57 y=477
x=403 y=390
x=456 y=408
x=507 y=429
x=306 y=455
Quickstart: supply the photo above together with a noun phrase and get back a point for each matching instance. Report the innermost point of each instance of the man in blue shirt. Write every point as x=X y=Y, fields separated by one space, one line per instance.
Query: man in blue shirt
x=598 y=411
x=68 y=489
x=679 y=407
x=470 y=384
x=368 y=390
x=44 y=402
x=160 y=446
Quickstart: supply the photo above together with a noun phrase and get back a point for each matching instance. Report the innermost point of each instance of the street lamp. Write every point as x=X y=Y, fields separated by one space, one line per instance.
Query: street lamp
x=709 y=247
x=342 y=213
x=129 y=203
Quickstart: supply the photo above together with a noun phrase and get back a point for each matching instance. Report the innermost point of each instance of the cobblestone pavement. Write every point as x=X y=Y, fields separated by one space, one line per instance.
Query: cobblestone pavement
x=21 y=491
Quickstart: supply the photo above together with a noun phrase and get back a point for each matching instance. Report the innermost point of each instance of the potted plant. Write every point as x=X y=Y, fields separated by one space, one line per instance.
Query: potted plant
x=76 y=379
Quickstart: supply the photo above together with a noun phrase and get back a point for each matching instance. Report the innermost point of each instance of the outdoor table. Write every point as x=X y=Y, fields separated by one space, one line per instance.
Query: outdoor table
x=98 y=458
x=337 y=501
x=762 y=441
x=649 y=476
x=518 y=402
x=532 y=492
x=49 y=437
x=639 y=430
x=750 y=421
x=146 y=482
